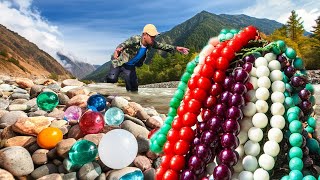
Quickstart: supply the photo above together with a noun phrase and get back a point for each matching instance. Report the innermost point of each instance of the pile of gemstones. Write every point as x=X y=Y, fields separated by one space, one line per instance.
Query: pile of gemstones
x=243 y=110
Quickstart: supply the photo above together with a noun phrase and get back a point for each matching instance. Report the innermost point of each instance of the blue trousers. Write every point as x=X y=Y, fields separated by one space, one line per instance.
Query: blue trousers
x=129 y=74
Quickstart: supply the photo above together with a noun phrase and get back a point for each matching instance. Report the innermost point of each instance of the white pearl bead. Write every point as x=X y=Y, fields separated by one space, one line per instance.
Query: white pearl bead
x=271 y=148
x=270 y=56
x=275 y=134
x=262 y=106
x=261 y=174
x=260 y=120
x=251 y=96
x=249 y=109
x=266 y=162
x=252 y=148
x=262 y=71
x=264 y=82
x=255 y=134
x=246 y=175
x=260 y=61
x=262 y=93
x=278 y=86
x=254 y=82
x=276 y=75
x=238 y=167
x=277 y=109
x=243 y=137
x=274 y=65
x=277 y=121
x=246 y=123
x=240 y=150
x=253 y=72
x=250 y=163
x=277 y=97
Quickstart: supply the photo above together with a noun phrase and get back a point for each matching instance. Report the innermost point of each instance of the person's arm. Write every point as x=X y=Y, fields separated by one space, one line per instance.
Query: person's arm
x=127 y=43
x=170 y=48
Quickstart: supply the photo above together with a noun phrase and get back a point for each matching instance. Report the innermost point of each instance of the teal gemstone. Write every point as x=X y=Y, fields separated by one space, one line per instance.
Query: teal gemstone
x=222 y=37
x=289 y=102
x=310 y=88
x=282 y=45
x=196 y=60
x=135 y=175
x=285 y=78
x=294 y=109
x=313 y=145
x=295 y=152
x=175 y=103
x=309 y=177
x=296 y=139
x=295 y=175
x=312 y=121
x=185 y=77
x=296 y=99
x=161 y=139
x=285 y=177
x=296 y=164
x=190 y=67
x=229 y=36
x=178 y=94
x=172 y=111
x=224 y=31
x=182 y=85
x=234 y=31
x=82 y=152
x=114 y=116
x=256 y=54
x=290 y=53
x=165 y=128
x=292 y=116
x=169 y=120
x=47 y=100
x=298 y=63
x=287 y=94
x=309 y=129
x=276 y=50
x=154 y=147
x=288 y=87
x=312 y=100
x=295 y=126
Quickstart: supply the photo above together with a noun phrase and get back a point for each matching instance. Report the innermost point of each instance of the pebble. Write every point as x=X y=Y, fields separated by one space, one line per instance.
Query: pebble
x=135 y=129
x=64 y=146
x=19 y=107
x=44 y=170
x=71 y=82
x=23 y=141
x=90 y=170
x=20 y=96
x=31 y=125
x=12 y=117
x=54 y=176
x=4 y=103
x=5 y=175
x=40 y=156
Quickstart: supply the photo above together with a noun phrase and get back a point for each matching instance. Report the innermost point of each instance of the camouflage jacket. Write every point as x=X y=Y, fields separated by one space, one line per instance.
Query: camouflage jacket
x=132 y=45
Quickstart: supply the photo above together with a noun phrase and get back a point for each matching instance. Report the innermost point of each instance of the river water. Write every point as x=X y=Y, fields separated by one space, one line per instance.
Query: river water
x=158 y=98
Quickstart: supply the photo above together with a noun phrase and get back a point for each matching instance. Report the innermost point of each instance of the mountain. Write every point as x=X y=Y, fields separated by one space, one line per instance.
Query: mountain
x=21 y=58
x=77 y=68
x=195 y=32
x=100 y=73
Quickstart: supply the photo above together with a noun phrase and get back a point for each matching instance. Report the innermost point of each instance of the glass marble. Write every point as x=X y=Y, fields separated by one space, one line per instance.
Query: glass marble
x=91 y=122
x=83 y=152
x=47 y=101
x=114 y=116
x=135 y=175
x=96 y=102
x=72 y=113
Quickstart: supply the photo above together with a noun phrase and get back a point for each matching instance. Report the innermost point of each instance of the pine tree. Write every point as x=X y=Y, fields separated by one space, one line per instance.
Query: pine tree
x=294 y=26
x=316 y=29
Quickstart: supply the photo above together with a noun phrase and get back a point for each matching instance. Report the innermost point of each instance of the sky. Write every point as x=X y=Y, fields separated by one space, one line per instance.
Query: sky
x=90 y=30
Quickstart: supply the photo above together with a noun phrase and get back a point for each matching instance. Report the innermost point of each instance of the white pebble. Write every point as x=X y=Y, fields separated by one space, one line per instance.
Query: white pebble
x=260 y=120
x=262 y=93
x=251 y=96
x=271 y=148
x=277 y=109
x=277 y=97
x=251 y=148
x=262 y=106
x=266 y=162
x=278 y=86
x=261 y=174
x=275 y=134
x=260 y=61
x=246 y=175
x=255 y=134
x=277 y=121
x=243 y=137
x=249 y=109
x=274 y=65
x=254 y=82
x=276 y=75
x=270 y=56
x=250 y=163
x=253 y=72
x=264 y=82
x=263 y=71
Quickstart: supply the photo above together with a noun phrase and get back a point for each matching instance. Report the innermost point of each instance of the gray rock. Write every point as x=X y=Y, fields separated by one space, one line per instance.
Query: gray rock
x=18 y=101
x=149 y=174
x=135 y=120
x=36 y=90
x=135 y=129
x=119 y=102
x=156 y=163
x=90 y=170
x=64 y=146
x=58 y=123
x=4 y=103
x=143 y=144
x=52 y=154
x=57 y=162
x=44 y=170
x=6 y=87
x=63 y=98
x=19 y=90
x=142 y=114
x=20 y=96
x=142 y=162
x=40 y=156
x=151 y=111
x=54 y=86
x=38 y=113
x=2 y=112
x=1 y=93
x=62 y=170
x=32 y=103
x=5 y=175
x=11 y=117
x=69 y=166
x=19 y=107
x=56 y=113
x=16 y=160
x=70 y=176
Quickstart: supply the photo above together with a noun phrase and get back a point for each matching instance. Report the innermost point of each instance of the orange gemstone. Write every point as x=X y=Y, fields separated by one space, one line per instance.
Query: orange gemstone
x=49 y=137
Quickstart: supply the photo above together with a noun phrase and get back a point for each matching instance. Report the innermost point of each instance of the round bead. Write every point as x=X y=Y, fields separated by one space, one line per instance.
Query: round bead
x=278 y=86
x=292 y=116
x=277 y=97
x=237 y=168
x=295 y=126
x=240 y=150
x=270 y=56
x=261 y=174
x=246 y=175
x=298 y=63
x=255 y=134
x=282 y=45
x=309 y=177
x=246 y=124
x=262 y=93
x=277 y=109
x=260 y=61
x=253 y=72
x=295 y=175
x=274 y=65
x=285 y=178
x=249 y=109
x=262 y=106
x=262 y=71
x=290 y=53
x=310 y=88
x=277 y=121
x=276 y=75
x=296 y=139
x=295 y=152
x=271 y=148
x=251 y=96
x=252 y=148
x=254 y=82
x=296 y=164
x=289 y=102
x=312 y=122
x=275 y=134
x=243 y=137
x=264 y=82
x=266 y=162
x=250 y=163
x=260 y=120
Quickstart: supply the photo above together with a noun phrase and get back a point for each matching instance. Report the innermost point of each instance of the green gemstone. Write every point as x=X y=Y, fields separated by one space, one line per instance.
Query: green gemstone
x=224 y=31
x=256 y=54
x=82 y=152
x=161 y=139
x=294 y=109
x=276 y=50
x=298 y=63
x=296 y=139
x=288 y=87
x=313 y=145
x=47 y=100
x=296 y=99
x=285 y=177
x=309 y=177
x=309 y=129
x=282 y=45
x=172 y=111
x=295 y=152
x=310 y=88
x=290 y=53
x=182 y=85
x=222 y=37
x=292 y=116
x=285 y=78
x=296 y=164
x=287 y=94
x=169 y=120
x=165 y=128
x=175 y=103
x=295 y=175
x=312 y=100
x=229 y=36
x=311 y=121
x=234 y=31
x=190 y=67
x=289 y=102
x=154 y=147
x=185 y=77
x=179 y=94
x=295 y=126
x=196 y=60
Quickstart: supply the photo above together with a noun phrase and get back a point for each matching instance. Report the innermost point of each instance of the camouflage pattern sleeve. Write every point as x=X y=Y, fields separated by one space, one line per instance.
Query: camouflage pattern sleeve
x=164 y=47
x=130 y=42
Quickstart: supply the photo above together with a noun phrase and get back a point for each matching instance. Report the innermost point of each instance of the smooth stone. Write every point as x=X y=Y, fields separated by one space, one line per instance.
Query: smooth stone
x=54 y=87
x=135 y=129
x=36 y=90
x=75 y=132
x=2 y=112
x=57 y=162
x=90 y=170
x=119 y=102
x=135 y=106
x=40 y=156
x=71 y=82
x=24 y=83
x=117 y=174
x=64 y=146
x=129 y=111
x=142 y=162
x=1 y=93
x=44 y=170
x=151 y=111
x=19 y=107
x=58 y=123
x=135 y=120
x=20 y=96
x=4 y=103
x=32 y=103
x=53 y=176
x=149 y=174
x=38 y=113
x=56 y=113
x=143 y=115
x=31 y=125
x=95 y=138
x=63 y=98
x=6 y=87
x=5 y=175
x=16 y=160
x=77 y=91
x=67 y=88
x=79 y=100
x=151 y=155
x=153 y=123
x=143 y=144
x=70 y=176
x=156 y=163
x=69 y=166
x=19 y=90
x=12 y=117
x=23 y=141
x=18 y=101
x=52 y=154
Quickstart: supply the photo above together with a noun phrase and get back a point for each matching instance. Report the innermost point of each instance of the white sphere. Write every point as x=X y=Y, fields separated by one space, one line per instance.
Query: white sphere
x=274 y=65
x=277 y=109
x=255 y=134
x=249 y=109
x=277 y=97
x=271 y=148
x=251 y=148
x=276 y=75
x=246 y=123
x=246 y=175
x=238 y=167
x=253 y=72
x=262 y=106
x=251 y=96
x=275 y=134
x=260 y=120
x=254 y=82
x=243 y=137
x=277 y=121
x=266 y=162
x=262 y=93
x=250 y=163
x=262 y=71
x=261 y=174
x=270 y=56
x=260 y=61
x=264 y=82
x=278 y=86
